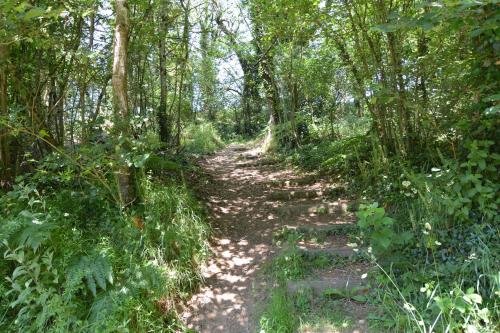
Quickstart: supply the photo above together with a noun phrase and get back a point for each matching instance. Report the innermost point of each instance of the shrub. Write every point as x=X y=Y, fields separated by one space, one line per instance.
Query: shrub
x=444 y=276
x=75 y=262
x=340 y=157
x=201 y=139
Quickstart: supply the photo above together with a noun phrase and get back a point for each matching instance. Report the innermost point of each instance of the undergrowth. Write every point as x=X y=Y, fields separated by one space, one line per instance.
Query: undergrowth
x=74 y=261
x=434 y=235
x=201 y=138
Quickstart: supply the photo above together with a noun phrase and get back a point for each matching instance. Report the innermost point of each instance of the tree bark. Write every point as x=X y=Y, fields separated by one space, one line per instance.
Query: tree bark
x=164 y=127
x=5 y=162
x=124 y=174
x=83 y=87
x=185 y=43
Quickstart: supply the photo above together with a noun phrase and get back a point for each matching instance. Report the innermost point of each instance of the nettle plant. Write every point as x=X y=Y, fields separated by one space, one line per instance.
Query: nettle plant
x=377 y=228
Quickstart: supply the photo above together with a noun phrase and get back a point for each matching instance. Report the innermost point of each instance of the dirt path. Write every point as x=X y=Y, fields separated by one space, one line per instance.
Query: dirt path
x=243 y=214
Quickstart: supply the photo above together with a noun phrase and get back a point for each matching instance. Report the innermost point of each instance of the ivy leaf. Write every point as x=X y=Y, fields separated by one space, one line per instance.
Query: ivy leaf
x=333 y=292
x=387 y=221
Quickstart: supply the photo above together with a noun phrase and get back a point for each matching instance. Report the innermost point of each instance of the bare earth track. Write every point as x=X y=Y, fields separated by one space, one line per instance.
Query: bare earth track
x=244 y=212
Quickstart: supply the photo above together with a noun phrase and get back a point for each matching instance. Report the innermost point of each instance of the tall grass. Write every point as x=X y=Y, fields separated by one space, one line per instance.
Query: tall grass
x=201 y=139
x=279 y=315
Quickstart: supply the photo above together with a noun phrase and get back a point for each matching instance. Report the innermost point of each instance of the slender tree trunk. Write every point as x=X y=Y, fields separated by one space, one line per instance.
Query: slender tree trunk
x=83 y=87
x=271 y=89
x=164 y=127
x=185 y=41
x=59 y=113
x=331 y=114
x=100 y=98
x=422 y=82
x=5 y=161
x=294 y=98
x=72 y=123
x=125 y=181
x=179 y=109
x=399 y=89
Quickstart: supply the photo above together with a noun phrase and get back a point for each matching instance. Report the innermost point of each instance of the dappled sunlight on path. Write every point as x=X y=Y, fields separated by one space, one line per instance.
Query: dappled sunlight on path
x=243 y=228
x=244 y=216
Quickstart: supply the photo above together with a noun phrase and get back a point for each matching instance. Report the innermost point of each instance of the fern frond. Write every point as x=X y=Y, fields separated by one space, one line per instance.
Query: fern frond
x=95 y=269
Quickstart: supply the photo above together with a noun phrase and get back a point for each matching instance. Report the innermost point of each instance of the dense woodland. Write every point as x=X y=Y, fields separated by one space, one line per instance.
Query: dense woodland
x=105 y=105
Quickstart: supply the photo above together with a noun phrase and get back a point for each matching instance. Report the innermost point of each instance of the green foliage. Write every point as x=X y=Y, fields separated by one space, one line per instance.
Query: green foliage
x=353 y=294
x=74 y=262
x=95 y=270
x=171 y=211
x=279 y=313
x=278 y=316
x=448 y=254
x=467 y=305
x=159 y=165
x=437 y=238
x=376 y=226
x=342 y=156
x=290 y=264
x=201 y=139
x=475 y=190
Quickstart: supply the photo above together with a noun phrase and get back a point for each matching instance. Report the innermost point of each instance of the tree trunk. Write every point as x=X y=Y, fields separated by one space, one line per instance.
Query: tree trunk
x=59 y=115
x=185 y=41
x=5 y=162
x=100 y=98
x=272 y=94
x=400 y=90
x=125 y=179
x=422 y=81
x=248 y=78
x=164 y=127
x=83 y=87
x=294 y=98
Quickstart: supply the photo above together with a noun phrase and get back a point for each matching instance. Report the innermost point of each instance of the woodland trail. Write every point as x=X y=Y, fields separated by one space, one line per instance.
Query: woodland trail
x=245 y=209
